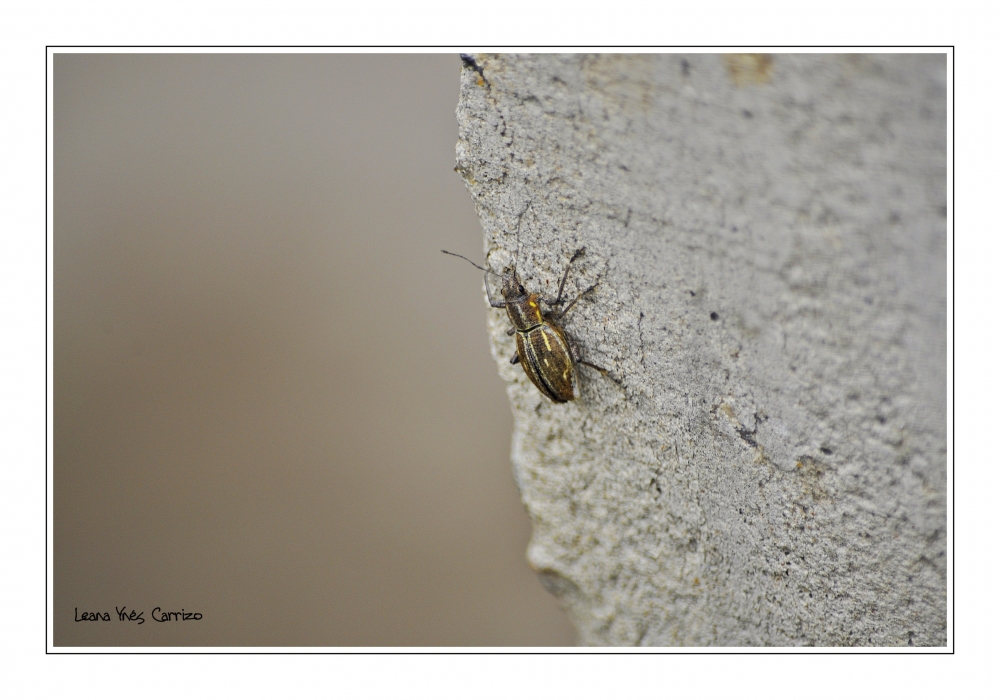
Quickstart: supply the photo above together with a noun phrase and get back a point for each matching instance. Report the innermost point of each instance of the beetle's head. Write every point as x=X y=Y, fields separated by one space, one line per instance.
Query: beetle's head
x=511 y=288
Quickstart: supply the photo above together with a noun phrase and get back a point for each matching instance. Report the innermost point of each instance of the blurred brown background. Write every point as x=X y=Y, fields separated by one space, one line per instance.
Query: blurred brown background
x=274 y=399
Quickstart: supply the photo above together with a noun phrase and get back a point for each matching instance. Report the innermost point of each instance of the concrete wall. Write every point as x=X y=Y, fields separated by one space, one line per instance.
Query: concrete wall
x=766 y=465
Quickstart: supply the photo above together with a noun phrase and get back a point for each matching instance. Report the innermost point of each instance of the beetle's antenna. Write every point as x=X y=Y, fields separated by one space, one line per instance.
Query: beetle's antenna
x=517 y=237
x=517 y=232
x=478 y=267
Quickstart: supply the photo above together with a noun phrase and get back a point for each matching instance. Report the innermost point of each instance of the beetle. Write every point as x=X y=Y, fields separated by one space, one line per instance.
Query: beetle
x=546 y=353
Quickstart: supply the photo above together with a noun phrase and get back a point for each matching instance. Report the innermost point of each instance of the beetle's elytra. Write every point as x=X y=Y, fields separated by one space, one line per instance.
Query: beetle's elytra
x=546 y=353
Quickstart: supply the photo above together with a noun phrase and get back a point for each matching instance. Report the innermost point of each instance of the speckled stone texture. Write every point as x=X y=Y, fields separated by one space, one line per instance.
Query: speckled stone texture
x=767 y=463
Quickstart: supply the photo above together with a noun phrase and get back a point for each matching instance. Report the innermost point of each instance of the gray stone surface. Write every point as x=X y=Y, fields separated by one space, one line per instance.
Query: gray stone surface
x=768 y=238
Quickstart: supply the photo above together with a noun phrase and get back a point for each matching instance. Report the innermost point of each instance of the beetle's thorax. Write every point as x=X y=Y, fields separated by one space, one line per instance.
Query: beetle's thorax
x=525 y=312
x=524 y=309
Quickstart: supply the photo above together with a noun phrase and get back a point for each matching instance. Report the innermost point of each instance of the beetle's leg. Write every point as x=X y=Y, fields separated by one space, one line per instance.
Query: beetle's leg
x=578 y=358
x=514 y=360
x=565 y=311
x=604 y=372
x=511 y=330
x=558 y=299
x=591 y=364
x=489 y=295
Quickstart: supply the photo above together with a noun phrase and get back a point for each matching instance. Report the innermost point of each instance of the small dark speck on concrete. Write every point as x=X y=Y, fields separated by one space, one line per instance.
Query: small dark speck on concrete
x=826 y=450
x=747 y=436
x=714 y=316
x=470 y=61
x=748 y=114
x=685 y=67
x=691 y=292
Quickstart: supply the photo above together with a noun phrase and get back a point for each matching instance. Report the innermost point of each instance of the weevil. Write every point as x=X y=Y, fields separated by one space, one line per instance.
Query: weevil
x=546 y=353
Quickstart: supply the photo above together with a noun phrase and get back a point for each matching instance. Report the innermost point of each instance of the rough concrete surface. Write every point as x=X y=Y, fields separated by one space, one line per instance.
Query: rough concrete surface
x=767 y=464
